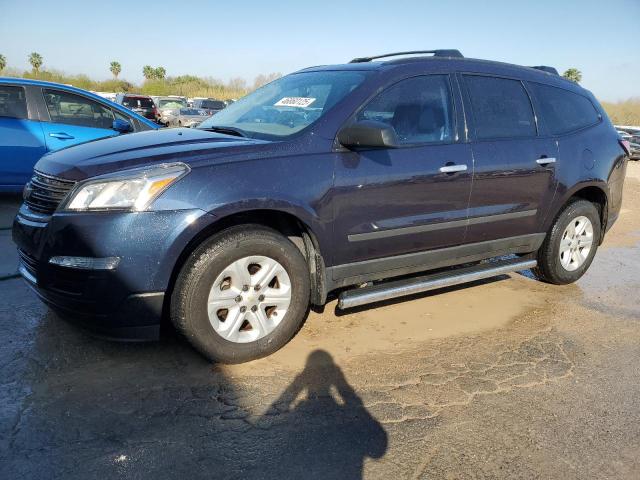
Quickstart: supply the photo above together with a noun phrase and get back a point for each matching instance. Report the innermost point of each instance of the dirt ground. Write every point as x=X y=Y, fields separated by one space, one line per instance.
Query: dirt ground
x=508 y=378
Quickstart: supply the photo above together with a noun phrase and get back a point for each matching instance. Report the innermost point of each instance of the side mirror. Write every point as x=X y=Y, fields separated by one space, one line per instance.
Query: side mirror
x=121 y=126
x=368 y=134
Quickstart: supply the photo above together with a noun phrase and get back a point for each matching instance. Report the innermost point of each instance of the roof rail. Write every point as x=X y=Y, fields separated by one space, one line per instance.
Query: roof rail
x=544 y=68
x=435 y=53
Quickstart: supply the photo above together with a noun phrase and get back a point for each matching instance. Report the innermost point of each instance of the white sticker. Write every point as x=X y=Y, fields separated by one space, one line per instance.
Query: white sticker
x=301 y=102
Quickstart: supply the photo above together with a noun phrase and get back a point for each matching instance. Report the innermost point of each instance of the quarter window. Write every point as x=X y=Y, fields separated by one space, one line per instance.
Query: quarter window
x=418 y=108
x=563 y=111
x=76 y=110
x=501 y=108
x=13 y=103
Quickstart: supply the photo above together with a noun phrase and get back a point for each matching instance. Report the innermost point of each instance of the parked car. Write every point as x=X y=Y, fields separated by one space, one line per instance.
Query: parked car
x=211 y=105
x=39 y=117
x=325 y=179
x=633 y=141
x=186 y=117
x=141 y=104
x=166 y=105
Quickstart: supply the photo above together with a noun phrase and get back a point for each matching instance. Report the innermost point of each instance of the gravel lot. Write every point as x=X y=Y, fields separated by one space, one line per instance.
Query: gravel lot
x=508 y=378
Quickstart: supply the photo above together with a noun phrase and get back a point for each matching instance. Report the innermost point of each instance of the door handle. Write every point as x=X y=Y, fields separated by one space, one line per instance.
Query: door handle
x=453 y=168
x=545 y=160
x=62 y=136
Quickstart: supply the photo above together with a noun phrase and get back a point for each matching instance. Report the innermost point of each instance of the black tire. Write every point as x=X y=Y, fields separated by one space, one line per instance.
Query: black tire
x=549 y=267
x=189 y=299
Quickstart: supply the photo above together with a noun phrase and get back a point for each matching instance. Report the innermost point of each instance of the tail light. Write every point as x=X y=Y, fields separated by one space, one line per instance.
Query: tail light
x=626 y=146
x=155 y=111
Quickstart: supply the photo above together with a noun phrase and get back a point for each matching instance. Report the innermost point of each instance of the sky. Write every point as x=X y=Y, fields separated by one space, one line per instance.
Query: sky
x=223 y=39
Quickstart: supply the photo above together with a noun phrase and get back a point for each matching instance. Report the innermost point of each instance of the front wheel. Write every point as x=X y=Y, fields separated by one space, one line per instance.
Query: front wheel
x=569 y=248
x=242 y=295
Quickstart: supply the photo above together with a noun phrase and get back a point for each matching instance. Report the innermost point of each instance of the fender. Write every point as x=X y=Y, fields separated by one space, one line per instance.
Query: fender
x=563 y=197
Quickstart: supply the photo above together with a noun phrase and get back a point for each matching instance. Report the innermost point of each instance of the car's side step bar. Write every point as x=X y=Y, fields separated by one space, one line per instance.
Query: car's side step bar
x=400 y=288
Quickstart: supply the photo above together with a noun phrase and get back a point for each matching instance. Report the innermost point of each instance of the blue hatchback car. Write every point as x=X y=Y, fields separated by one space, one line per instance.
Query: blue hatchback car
x=37 y=117
x=393 y=176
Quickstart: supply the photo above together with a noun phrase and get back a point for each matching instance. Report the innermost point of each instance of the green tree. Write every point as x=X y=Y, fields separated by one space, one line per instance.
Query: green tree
x=35 y=59
x=115 y=68
x=148 y=72
x=3 y=62
x=573 y=74
x=159 y=73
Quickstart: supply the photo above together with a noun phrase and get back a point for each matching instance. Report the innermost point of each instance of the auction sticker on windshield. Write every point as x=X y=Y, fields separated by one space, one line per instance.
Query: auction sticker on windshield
x=301 y=102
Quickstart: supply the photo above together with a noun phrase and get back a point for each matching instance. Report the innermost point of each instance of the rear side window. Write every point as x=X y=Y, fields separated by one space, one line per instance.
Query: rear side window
x=77 y=110
x=564 y=111
x=13 y=103
x=418 y=108
x=501 y=108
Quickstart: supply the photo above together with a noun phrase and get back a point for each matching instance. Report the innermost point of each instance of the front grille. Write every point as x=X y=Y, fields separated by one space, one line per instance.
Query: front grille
x=28 y=262
x=44 y=193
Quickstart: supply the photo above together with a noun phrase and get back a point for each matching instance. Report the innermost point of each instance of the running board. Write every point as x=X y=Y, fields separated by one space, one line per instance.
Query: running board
x=410 y=286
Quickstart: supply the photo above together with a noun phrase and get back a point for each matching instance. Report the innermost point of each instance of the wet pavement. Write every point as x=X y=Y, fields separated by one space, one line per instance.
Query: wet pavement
x=508 y=378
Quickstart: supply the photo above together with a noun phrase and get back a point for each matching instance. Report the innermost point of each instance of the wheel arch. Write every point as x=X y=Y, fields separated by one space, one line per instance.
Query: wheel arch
x=594 y=192
x=288 y=224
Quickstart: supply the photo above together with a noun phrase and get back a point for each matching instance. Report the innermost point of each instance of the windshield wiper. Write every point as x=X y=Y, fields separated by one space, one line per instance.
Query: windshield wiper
x=228 y=130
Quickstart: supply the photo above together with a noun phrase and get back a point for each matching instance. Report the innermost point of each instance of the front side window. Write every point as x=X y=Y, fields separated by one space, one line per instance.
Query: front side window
x=563 y=111
x=13 y=102
x=288 y=105
x=418 y=108
x=77 y=110
x=501 y=108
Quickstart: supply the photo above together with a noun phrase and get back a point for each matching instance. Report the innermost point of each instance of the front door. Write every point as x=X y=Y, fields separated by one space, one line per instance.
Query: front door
x=74 y=119
x=391 y=202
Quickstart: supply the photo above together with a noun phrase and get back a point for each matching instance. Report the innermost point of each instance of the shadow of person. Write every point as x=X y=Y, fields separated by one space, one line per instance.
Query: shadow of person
x=328 y=433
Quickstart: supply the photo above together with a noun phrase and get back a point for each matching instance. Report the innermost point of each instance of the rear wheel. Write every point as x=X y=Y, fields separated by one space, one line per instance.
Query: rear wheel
x=242 y=295
x=570 y=246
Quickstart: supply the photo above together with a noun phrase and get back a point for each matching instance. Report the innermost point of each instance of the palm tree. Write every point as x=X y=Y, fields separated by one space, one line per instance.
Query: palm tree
x=115 y=68
x=573 y=74
x=160 y=73
x=3 y=62
x=148 y=72
x=35 y=59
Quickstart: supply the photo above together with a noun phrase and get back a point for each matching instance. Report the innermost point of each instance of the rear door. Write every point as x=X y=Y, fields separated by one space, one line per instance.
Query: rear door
x=514 y=178
x=21 y=138
x=391 y=202
x=74 y=119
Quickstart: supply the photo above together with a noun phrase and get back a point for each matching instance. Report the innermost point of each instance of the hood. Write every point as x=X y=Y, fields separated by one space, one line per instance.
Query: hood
x=191 y=146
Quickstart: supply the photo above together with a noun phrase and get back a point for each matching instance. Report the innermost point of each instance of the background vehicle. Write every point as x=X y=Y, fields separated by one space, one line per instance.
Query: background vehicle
x=141 y=104
x=167 y=104
x=209 y=104
x=186 y=117
x=328 y=178
x=38 y=117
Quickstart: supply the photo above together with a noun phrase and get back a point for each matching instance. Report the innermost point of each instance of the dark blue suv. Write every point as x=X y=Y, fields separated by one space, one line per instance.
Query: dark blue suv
x=395 y=176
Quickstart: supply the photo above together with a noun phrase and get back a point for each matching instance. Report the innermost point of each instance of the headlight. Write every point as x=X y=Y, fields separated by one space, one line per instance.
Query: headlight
x=132 y=189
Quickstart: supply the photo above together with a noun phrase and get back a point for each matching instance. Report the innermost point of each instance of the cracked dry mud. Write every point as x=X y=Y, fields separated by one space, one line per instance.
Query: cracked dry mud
x=509 y=378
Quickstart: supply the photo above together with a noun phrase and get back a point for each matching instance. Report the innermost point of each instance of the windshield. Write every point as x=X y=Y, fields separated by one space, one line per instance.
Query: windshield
x=288 y=105
x=137 y=102
x=171 y=103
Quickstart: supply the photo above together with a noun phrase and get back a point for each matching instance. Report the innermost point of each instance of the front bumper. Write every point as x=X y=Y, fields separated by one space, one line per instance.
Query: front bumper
x=126 y=302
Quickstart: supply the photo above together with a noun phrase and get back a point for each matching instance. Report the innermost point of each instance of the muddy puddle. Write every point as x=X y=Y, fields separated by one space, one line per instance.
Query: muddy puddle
x=405 y=324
